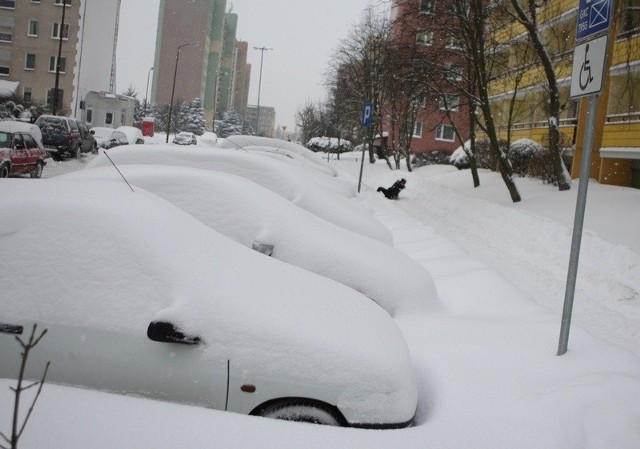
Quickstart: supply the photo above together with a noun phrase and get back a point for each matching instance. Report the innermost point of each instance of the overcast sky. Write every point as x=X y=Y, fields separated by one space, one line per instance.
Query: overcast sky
x=302 y=33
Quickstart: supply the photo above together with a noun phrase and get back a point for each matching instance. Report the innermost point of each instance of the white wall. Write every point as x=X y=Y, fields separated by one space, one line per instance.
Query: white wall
x=95 y=48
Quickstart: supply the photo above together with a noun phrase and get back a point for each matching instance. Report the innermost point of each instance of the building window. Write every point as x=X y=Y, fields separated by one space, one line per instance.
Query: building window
x=59 y=2
x=89 y=117
x=453 y=72
x=417 y=129
x=424 y=37
x=56 y=31
x=427 y=6
x=4 y=69
x=454 y=42
x=33 y=28
x=6 y=36
x=26 y=94
x=30 y=62
x=449 y=102
x=445 y=132
x=8 y=4
x=51 y=97
x=108 y=118
x=420 y=101
x=53 y=64
x=35 y=1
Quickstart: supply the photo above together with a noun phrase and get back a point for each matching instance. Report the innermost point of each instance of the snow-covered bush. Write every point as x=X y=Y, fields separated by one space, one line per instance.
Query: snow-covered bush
x=329 y=144
x=485 y=158
x=431 y=158
x=520 y=153
x=541 y=164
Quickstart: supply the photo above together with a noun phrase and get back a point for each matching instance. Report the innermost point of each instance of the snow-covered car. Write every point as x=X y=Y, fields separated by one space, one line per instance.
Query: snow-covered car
x=172 y=310
x=20 y=151
x=65 y=136
x=108 y=137
x=261 y=219
x=134 y=135
x=307 y=187
x=185 y=138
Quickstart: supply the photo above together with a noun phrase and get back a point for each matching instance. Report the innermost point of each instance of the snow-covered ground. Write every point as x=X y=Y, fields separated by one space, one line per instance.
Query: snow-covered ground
x=486 y=366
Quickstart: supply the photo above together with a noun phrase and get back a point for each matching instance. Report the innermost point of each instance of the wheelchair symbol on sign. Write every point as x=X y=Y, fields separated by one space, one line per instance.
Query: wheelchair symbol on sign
x=585 y=71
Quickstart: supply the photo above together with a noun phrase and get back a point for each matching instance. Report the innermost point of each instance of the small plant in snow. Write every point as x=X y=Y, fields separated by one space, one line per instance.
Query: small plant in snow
x=17 y=428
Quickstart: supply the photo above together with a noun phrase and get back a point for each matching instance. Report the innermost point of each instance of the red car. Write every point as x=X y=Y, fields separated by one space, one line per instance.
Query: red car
x=20 y=151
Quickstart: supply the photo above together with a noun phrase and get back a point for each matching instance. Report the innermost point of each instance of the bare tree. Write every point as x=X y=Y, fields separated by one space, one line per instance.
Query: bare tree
x=473 y=20
x=359 y=63
x=17 y=428
x=526 y=13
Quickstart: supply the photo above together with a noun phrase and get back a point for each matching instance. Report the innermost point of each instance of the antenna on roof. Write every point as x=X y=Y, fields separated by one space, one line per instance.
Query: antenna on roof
x=116 y=167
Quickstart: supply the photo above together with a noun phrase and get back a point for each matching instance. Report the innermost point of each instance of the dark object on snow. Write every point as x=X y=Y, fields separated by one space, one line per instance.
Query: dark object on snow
x=393 y=191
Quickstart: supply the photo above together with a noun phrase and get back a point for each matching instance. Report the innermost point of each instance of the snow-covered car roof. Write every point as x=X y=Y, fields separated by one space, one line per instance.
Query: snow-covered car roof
x=12 y=126
x=307 y=188
x=133 y=258
x=251 y=215
x=102 y=132
x=133 y=134
x=242 y=141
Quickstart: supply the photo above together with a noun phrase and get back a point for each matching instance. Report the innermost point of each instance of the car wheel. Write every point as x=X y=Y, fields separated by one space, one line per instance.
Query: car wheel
x=303 y=411
x=94 y=149
x=78 y=152
x=4 y=171
x=37 y=172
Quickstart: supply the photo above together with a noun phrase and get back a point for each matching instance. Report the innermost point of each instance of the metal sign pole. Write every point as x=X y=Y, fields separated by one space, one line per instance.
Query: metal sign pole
x=578 y=223
x=367 y=121
x=591 y=62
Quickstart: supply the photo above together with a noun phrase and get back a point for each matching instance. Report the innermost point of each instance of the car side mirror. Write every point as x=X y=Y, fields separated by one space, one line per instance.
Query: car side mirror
x=263 y=248
x=166 y=332
x=92 y=132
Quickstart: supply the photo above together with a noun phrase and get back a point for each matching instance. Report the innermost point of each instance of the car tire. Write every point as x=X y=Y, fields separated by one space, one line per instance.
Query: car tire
x=37 y=172
x=94 y=149
x=78 y=152
x=303 y=411
x=4 y=171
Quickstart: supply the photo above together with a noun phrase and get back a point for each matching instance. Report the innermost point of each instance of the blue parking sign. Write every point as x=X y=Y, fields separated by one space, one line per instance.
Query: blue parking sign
x=594 y=16
x=367 y=114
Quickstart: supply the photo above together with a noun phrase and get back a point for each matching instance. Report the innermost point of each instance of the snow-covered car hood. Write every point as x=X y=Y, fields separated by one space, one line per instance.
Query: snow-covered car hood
x=307 y=188
x=105 y=257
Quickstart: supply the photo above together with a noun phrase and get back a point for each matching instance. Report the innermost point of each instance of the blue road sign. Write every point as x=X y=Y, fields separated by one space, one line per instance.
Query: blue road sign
x=594 y=16
x=367 y=115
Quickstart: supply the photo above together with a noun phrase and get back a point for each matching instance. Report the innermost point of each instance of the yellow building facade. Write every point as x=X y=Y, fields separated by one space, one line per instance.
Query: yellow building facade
x=519 y=96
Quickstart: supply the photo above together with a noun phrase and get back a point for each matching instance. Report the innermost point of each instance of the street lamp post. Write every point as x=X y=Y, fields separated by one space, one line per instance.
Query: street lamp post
x=262 y=50
x=173 y=89
x=56 y=93
x=146 y=92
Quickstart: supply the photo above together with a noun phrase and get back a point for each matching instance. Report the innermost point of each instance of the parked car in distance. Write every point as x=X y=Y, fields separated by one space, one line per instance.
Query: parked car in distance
x=185 y=138
x=20 y=151
x=178 y=321
x=108 y=137
x=134 y=135
x=65 y=136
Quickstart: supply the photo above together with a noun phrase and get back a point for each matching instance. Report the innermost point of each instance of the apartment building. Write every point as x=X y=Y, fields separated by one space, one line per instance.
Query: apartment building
x=425 y=31
x=519 y=86
x=266 y=122
x=196 y=42
x=242 y=79
x=32 y=32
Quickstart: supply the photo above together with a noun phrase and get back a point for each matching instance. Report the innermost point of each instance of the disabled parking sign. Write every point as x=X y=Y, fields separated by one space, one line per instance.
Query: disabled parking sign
x=588 y=67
